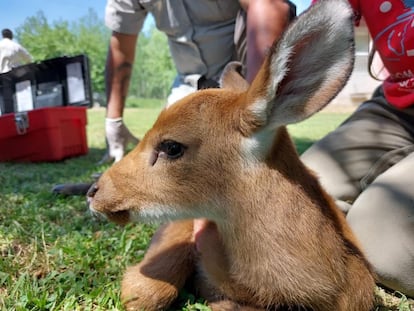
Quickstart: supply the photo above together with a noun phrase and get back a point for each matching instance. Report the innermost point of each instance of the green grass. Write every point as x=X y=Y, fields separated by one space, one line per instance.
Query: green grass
x=137 y=102
x=54 y=255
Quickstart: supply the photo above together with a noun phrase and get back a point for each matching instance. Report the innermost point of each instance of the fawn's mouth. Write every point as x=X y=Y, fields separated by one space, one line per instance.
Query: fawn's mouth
x=121 y=217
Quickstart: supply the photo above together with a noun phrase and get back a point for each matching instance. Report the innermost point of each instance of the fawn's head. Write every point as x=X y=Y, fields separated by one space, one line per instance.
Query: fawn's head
x=190 y=163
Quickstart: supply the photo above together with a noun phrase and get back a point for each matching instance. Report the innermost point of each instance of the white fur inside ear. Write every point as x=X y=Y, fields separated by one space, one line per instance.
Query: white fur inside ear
x=339 y=10
x=278 y=69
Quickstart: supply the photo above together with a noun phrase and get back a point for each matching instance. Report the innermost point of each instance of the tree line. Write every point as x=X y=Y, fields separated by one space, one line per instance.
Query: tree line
x=153 y=71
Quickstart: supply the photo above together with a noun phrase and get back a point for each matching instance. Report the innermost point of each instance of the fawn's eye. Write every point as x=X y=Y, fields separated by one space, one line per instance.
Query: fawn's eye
x=171 y=149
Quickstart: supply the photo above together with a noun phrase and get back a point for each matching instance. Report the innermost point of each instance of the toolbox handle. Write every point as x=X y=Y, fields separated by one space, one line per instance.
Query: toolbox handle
x=22 y=122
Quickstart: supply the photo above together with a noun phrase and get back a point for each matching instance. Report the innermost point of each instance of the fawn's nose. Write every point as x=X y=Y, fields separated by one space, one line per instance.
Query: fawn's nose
x=92 y=191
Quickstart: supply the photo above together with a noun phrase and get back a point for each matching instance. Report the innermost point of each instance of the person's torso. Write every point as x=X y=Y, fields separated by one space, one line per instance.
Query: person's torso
x=391 y=25
x=9 y=55
x=200 y=32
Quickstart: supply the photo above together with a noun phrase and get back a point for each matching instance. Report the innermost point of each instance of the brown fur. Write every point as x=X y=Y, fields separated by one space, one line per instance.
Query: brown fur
x=164 y=270
x=267 y=236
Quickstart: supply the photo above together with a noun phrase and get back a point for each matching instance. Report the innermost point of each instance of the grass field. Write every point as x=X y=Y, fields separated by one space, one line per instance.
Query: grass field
x=54 y=255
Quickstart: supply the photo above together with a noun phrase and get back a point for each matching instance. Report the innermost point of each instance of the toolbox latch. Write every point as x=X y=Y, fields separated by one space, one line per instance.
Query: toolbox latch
x=22 y=122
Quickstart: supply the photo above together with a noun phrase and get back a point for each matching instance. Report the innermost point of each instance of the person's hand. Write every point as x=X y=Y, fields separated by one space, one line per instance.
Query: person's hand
x=117 y=139
x=210 y=247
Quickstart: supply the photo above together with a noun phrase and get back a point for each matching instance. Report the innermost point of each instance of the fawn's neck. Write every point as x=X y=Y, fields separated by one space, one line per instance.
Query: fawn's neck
x=269 y=214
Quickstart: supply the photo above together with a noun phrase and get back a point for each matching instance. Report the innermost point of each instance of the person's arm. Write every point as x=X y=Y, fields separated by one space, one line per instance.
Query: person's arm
x=266 y=21
x=119 y=64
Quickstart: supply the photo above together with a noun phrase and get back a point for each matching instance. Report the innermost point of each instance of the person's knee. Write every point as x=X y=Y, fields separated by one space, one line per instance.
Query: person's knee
x=386 y=233
x=331 y=174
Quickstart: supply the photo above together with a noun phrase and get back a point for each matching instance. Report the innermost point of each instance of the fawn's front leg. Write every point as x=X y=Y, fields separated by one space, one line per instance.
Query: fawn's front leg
x=154 y=283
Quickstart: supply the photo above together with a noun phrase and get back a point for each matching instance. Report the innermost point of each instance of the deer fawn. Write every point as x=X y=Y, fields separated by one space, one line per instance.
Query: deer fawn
x=266 y=235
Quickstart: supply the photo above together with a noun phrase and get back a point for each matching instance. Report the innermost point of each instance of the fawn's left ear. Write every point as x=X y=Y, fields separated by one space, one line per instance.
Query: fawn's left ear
x=305 y=70
x=232 y=78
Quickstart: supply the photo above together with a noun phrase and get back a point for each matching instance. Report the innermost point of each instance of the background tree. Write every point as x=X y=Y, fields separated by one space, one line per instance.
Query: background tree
x=153 y=69
x=87 y=36
x=92 y=39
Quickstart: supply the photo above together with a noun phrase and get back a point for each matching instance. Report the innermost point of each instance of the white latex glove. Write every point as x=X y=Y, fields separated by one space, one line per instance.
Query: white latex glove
x=117 y=138
x=188 y=86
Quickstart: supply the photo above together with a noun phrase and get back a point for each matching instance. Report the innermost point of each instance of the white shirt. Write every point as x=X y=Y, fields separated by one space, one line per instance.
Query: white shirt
x=12 y=55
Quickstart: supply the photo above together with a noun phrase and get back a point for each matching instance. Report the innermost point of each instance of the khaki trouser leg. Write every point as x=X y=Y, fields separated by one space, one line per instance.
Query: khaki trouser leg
x=367 y=165
x=382 y=217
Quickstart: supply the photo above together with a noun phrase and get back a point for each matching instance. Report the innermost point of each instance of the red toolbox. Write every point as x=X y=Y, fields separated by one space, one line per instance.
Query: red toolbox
x=44 y=134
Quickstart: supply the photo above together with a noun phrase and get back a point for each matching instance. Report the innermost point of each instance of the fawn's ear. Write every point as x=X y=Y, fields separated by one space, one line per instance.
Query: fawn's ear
x=232 y=77
x=306 y=69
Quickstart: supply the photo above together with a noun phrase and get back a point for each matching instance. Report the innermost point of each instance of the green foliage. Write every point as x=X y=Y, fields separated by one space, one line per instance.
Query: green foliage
x=87 y=36
x=93 y=40
x=134 y=102
x=153 y=71
x=45 y=41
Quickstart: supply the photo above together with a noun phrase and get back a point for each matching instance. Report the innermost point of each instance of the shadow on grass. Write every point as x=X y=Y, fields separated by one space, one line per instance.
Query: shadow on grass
x=24 y=177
